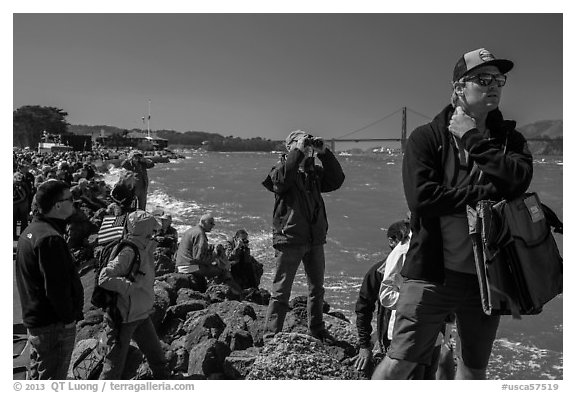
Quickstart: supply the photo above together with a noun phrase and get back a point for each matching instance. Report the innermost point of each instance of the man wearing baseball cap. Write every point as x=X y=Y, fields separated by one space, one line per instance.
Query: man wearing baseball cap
x=466 y=154
x=300 y=226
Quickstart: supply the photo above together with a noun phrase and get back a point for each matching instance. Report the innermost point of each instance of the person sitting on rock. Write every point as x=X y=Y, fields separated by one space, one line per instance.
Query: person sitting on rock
x=245 y=270
x=196 y=255
x=124 y=193
x=167 y=239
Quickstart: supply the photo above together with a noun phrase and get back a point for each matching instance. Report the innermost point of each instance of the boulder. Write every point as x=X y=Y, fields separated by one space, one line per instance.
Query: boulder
x=176 y=280
x=238 y=364
x=238 y=339
x=86 y=360
x=256 y=295
x=187 y=294
x=202 y=325
x=245 y=316
x=221 y=292
x=207 y=357
x=180 y=310
x=161 y=303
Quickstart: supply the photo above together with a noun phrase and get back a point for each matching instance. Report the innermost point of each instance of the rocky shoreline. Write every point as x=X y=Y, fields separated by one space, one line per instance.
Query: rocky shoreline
x=209 y=332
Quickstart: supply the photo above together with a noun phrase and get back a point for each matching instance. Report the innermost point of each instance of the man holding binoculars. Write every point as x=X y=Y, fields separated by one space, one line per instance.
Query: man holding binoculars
x=300 y=226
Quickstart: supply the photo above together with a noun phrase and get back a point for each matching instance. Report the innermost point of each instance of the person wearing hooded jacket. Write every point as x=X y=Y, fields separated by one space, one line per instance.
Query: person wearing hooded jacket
x=466 y=154
x=300 y=226
x=135 y=300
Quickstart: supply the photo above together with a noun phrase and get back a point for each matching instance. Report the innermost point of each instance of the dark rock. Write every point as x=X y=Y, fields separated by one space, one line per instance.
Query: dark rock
x=163 y=264
x=238 y=364
x=198 y=282
x=207 y=357
x=339 y=315
x=238 y=339
x=187 y=294
x=256 y=295
x=171 y=329
x=180 y=310
x=202 y=325
x=221 y=292
x=241 y=316
x=90 y=331
x=92 y=317
x=86 y=360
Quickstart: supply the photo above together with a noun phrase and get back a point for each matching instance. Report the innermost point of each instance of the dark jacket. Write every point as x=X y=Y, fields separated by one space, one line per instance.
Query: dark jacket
x=140 y=169
x=430 y=196
x=46 y=275
x=299 y=214
x=368 y=301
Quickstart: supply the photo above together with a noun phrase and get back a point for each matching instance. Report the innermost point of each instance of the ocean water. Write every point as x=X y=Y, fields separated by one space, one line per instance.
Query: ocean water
x=371 y=198
x=229 y=185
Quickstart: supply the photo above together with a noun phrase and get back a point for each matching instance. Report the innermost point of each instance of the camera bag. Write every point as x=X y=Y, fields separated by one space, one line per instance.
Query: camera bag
x=518 y=263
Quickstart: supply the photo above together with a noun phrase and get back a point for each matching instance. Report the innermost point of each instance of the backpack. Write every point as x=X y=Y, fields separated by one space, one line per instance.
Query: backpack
x=518 y=263
x=19 y=192
x=104 y=298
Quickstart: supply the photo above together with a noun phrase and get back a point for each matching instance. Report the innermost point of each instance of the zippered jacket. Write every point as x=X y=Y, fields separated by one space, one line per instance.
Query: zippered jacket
x=135 y=298
x=48 y=282
x=502 y=156
x=299 y=213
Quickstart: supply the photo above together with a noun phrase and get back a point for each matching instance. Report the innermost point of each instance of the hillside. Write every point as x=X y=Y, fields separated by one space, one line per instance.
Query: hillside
x=544 y=129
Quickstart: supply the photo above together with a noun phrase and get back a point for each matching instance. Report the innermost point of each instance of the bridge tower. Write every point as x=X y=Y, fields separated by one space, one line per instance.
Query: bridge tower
x=403 y=135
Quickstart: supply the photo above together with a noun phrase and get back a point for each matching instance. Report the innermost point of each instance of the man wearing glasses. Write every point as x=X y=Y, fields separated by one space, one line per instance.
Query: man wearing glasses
x=466 y=154
x=50 y=290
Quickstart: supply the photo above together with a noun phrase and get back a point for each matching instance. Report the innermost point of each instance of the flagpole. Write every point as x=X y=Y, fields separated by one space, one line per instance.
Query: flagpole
x=149 y=102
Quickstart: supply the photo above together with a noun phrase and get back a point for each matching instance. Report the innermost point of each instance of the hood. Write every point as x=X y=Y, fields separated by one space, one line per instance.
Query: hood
x=141 y=224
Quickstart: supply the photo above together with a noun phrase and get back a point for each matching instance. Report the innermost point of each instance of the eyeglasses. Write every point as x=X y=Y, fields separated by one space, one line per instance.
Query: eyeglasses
x=487 y=79
x=69 y=199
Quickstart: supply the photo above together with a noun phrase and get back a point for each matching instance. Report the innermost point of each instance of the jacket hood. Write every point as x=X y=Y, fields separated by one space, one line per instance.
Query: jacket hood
x=142 y=224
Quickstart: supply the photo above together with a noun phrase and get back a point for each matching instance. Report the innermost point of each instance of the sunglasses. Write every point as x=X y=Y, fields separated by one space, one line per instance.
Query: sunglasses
x=69 y=199
x=487 y=79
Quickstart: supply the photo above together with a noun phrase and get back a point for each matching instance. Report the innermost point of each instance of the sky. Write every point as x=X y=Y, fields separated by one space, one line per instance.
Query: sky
x=252 y=75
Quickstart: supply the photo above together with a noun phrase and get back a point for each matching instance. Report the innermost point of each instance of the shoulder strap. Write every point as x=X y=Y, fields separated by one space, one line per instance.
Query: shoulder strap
x=134 y=267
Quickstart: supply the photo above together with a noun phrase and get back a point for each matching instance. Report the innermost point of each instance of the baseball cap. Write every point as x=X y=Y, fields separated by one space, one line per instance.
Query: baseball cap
x=294 y=136
x=476 y=58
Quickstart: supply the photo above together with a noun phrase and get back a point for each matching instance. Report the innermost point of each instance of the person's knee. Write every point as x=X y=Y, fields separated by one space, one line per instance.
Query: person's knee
x=393 y=369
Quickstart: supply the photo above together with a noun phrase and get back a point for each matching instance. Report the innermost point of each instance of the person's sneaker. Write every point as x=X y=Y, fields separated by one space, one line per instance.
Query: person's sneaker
x=324 y=336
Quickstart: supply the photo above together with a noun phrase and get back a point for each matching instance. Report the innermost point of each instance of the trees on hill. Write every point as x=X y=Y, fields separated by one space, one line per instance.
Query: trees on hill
x=29 y=121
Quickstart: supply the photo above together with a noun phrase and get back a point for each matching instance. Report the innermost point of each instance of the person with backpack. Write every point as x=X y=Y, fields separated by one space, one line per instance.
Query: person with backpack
x=468 y=153
x=50 y=290
x=133 y=284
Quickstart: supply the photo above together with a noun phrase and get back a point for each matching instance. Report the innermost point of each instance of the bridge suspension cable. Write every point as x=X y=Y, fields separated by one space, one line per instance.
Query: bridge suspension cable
x=371 y=124
x=419 y=114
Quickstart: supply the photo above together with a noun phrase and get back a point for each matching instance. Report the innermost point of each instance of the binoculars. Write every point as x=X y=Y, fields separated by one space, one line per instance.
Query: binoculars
x=313 y=141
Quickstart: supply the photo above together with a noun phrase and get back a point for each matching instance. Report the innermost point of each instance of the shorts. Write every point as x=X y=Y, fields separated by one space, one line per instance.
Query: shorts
x=422 y=310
